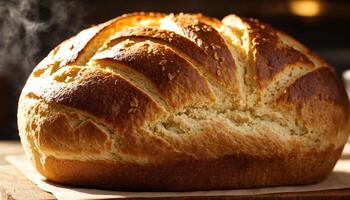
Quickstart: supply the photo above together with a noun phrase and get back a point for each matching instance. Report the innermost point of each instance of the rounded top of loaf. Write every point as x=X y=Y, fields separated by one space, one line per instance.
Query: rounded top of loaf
x=152 y=87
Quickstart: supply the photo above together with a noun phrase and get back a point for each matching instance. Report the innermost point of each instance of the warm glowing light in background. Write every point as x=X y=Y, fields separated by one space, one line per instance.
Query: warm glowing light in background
x=305 y=8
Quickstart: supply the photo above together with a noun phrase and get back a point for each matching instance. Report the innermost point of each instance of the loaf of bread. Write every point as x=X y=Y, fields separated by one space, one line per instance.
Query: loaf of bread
x=157 y=102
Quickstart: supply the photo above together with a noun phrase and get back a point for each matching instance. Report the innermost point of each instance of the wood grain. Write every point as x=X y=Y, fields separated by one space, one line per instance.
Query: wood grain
x=15 y=186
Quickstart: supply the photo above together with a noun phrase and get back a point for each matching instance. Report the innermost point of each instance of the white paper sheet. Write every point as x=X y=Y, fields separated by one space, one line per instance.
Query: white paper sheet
x=338 y=179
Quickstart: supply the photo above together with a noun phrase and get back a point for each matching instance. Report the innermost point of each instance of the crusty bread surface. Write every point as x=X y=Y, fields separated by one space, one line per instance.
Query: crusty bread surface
x=181 y=102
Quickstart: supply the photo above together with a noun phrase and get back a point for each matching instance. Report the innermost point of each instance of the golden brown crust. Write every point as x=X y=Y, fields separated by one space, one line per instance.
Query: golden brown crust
x=220 y=62
x=183 y=102
x=227 y=172
x=70 y=50
x=78 y=49
x=319 y=100
x=172 y=39
x=106 y=96
x=270 y=56
x=73 y=139
x=172 y=75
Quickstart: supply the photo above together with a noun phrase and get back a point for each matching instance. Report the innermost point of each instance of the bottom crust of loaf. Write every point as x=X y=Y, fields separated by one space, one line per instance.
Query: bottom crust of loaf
x=228 y=172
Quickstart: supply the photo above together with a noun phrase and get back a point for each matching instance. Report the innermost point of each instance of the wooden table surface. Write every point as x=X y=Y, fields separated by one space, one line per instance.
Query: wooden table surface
x=15 y=186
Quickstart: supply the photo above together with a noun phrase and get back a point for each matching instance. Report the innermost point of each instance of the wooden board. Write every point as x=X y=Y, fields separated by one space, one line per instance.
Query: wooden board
x=15 y=186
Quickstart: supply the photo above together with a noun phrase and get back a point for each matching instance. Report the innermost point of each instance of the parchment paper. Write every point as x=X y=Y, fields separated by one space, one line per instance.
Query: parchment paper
x=338 y=179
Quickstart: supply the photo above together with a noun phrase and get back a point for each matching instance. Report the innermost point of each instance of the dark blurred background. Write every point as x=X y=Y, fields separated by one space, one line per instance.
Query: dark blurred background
x=29 y=29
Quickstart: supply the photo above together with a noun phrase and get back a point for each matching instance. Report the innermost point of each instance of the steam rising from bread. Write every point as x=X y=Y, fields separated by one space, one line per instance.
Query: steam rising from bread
x=29 y=28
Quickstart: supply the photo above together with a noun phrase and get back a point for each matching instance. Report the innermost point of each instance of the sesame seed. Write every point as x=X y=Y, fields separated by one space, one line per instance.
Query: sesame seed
x=171 y=76
x=218 y=72
x=128 y=43
x=221 y=61
x=163 y=62
x=132 y=110
x=215 y=46
x=134 y=102
x=196 y=28
x=216 y=56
